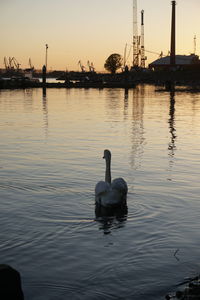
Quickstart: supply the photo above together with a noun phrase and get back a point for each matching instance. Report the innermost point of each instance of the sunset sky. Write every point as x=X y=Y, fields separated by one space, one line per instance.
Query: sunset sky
x=91 y=30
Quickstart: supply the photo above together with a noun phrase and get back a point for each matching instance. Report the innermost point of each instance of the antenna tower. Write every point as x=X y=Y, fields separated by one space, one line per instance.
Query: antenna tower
x=135 y=36
x=142 y=41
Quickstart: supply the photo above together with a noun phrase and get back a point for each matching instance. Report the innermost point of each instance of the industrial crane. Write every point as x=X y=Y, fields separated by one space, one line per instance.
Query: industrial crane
x=81 y=66
x=15 y=62
x=6 y=63
x=91 y=66
x=30 y=64
x=159 y=54
x=12 y=63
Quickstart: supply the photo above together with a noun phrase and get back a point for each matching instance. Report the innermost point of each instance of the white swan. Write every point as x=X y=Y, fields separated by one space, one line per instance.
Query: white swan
x=109 y=194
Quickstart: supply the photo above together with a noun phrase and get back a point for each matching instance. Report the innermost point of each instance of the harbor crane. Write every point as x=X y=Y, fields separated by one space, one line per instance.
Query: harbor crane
x=6 y=63
x=125 y=57
x=30 y=64
x=91 y=66
x=160 y=55
x=11 y=63
x=14 y=63
x=81 y=66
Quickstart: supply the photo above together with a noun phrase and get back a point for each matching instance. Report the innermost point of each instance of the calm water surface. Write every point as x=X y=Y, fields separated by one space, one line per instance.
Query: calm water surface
x=51 y=159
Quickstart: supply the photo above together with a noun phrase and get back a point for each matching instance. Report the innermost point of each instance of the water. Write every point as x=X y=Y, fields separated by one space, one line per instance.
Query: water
x=51 y=159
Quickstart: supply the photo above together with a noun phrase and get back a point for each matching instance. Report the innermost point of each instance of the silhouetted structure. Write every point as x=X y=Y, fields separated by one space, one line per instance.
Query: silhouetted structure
x=44 y=74
x=142 y=50
x=173 y=35
x=173 y=61
x=135 y=37
x=183 y=62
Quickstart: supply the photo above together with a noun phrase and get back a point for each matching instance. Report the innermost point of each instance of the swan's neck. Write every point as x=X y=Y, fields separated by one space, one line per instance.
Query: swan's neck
x=108 y=171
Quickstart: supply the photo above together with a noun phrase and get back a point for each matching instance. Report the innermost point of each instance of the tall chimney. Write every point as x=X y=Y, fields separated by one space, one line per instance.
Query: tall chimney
x=173 y=35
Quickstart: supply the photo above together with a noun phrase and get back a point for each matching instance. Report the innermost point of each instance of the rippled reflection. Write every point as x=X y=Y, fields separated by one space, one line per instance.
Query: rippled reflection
x=137 y=127
x=45 y=110
x=63 y=245
x=172 y=131
x=126 y=96
x=171 y=122
x=109 y=218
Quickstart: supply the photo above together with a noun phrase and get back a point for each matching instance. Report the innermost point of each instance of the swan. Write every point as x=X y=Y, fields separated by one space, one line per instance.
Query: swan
x=107 y=193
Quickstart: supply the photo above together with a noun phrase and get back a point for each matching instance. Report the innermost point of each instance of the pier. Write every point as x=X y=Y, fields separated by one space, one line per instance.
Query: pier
x=127 y=80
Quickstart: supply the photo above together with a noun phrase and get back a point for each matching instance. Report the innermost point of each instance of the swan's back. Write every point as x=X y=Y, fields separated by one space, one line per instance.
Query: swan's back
x=120 y=185
x=101 y=188
x=111 y=195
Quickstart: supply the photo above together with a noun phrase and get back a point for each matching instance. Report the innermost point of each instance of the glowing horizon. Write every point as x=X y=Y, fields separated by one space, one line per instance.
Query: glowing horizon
x=91 y=30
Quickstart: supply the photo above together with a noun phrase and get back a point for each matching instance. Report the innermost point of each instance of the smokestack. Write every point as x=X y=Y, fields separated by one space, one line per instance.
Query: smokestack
x=173 y=35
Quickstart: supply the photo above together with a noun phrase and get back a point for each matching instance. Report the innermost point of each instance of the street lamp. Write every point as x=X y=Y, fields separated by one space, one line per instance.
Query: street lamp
x=46 y=55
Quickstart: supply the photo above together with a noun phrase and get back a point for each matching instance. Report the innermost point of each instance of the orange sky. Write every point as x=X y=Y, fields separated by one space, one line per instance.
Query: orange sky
x=90 y=30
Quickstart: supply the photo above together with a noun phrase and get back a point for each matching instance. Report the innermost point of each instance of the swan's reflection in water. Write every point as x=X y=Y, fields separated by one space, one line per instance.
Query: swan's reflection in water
x=111 y=217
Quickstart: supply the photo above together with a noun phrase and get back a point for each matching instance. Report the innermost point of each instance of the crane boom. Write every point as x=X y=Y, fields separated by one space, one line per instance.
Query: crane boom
x=6 y=63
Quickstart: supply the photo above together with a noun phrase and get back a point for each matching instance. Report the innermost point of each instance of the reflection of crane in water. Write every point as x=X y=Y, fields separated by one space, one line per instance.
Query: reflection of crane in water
x=137 y=138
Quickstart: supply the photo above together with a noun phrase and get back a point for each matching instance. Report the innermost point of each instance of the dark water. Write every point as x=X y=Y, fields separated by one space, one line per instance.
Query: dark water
x=50 y=160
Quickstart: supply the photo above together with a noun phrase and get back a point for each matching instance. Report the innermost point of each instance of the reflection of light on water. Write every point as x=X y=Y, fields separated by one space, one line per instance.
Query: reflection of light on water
x=126 y=95
x=47 y=188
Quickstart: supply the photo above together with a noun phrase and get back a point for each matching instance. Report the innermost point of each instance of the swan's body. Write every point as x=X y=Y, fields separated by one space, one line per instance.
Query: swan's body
x=109 y=193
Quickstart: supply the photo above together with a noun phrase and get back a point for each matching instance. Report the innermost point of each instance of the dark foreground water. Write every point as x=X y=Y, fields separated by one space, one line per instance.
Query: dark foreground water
x=50 y=160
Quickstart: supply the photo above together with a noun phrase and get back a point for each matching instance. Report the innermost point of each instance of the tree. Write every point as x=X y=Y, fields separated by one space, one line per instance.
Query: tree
x=113 y=63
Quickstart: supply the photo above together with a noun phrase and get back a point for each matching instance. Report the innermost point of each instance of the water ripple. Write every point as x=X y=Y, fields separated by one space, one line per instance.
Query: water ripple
x=138 y=209
x=78 y=291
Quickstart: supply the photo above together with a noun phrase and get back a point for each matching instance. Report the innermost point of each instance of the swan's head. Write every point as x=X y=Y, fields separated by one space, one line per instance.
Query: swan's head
x=107 y=154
